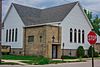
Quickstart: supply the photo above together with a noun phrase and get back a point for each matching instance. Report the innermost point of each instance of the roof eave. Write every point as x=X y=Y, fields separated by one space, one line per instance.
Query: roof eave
x=85 y=16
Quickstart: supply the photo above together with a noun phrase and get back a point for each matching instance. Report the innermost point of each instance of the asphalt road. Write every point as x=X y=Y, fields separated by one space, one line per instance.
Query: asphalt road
x=75 y=64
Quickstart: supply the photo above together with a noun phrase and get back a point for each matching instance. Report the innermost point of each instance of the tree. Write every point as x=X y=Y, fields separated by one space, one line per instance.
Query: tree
x=96 y=24
x=95 y=21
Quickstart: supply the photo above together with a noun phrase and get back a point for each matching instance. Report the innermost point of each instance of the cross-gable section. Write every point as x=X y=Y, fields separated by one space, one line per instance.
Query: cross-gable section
x=12 y=22
x=77 y=21
x=34 y=16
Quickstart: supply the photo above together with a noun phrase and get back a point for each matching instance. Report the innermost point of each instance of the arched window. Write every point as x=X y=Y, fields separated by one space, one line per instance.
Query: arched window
x=71 y=35
x=12 y=35
x=16 y=33
x=79 y=36
x=75 y=35
x=82 y=36
x=6 y=35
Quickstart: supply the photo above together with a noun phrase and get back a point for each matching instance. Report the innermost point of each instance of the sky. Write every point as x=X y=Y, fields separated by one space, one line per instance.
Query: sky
x=91 y=5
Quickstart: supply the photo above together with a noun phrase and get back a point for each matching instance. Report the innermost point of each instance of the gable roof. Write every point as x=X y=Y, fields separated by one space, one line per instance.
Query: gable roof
x=33 y=16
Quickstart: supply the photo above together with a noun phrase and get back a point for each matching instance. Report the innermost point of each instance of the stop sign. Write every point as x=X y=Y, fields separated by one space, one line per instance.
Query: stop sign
x=92 y=37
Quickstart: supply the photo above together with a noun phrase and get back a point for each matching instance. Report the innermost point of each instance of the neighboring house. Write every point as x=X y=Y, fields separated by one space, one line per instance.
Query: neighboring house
x=97 y=45
x=32 y=31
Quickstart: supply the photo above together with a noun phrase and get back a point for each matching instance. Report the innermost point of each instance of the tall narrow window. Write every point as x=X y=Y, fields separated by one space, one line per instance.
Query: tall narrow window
x=82 y=36
x=16 y=32
x=75 y=35
x=12 y=35
x=79 y=36
x=6 y=35
x=40 y=38
x=71 y=35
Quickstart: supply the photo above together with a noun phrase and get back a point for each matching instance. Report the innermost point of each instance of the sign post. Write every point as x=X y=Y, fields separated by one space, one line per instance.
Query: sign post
x=92 y=38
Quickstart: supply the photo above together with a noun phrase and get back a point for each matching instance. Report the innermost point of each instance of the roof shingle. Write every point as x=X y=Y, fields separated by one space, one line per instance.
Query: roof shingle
x=33 y=16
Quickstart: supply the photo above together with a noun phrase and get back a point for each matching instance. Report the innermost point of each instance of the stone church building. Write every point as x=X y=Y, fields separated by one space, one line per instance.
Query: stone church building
x=33 y=31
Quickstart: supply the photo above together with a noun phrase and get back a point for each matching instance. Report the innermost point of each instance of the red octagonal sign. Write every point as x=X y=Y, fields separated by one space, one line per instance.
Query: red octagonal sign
x=92 y=37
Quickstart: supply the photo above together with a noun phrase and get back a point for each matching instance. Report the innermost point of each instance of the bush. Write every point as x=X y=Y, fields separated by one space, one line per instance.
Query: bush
x=96 y=54
x=80 y=51
x=40 y=60
x=43 y=61
x=86 y=56
x=90 y=51
x=68 y=57
x=56 y=61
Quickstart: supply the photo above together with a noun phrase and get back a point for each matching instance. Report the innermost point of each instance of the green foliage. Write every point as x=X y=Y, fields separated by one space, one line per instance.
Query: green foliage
x=86 y=56
x=95 y=21
x=90 y=51
x=32 y=59
x=89 y=15
x=96 y=54
x=80 y=51
x=57 y=61
x=14 y=57
x=96 y=25
x=40 y=60
x=68 y=57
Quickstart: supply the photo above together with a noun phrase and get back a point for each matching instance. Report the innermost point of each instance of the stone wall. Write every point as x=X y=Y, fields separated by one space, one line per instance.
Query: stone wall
x=97 y=47
x=17 y=51
x=43 y=47
x=36 y=47
x=50 y=32
x=71 y=52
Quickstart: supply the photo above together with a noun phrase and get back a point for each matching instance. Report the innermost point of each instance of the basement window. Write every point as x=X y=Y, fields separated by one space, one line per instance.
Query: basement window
x=30 y=38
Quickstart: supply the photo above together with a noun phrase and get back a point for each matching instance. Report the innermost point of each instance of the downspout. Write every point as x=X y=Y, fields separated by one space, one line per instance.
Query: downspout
x=46 y=43
x=24 y=41
x=58 y=31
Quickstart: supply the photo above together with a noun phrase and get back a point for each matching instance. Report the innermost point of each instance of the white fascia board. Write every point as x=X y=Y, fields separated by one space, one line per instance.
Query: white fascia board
x=53 y=23
x=85 y=16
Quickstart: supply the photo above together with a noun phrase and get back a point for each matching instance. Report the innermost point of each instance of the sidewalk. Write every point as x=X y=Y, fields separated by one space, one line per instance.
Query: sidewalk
x=15 y=61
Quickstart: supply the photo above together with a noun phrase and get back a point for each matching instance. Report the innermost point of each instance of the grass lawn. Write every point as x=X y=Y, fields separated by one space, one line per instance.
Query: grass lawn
x=42 y=63
x=8 y=63
x=38 y=60
x=13 y=57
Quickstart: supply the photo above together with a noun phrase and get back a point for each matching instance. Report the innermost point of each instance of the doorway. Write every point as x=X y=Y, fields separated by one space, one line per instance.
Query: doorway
x=54 y=51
